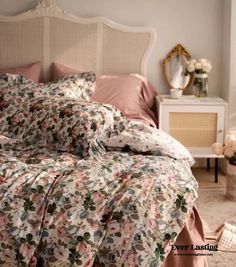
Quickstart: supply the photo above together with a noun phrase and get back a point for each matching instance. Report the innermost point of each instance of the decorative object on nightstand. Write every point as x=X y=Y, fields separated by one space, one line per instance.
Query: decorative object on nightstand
x=175 y=93
x=196 y=122
x=200 y=68
x=228 y=149
x=175 y=68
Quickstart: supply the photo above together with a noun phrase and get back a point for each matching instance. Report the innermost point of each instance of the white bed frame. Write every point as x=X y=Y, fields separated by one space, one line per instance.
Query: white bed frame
x=49 y=34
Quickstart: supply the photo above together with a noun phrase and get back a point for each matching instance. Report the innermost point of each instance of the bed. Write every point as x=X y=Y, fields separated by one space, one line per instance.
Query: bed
x=82 y=183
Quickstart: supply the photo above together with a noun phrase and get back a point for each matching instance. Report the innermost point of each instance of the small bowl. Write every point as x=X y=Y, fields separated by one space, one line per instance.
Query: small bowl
x=175 y=93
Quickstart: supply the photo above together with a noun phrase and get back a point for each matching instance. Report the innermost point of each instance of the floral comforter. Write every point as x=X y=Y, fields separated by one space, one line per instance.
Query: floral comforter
x=80 y=185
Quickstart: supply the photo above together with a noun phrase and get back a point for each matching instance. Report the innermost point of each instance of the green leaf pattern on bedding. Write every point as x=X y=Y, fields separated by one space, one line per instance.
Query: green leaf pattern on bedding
x=15 y=89
x=62 y=124
x=80 y=185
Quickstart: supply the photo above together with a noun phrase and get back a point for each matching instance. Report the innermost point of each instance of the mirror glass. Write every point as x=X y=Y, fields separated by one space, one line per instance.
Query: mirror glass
x=174 y=68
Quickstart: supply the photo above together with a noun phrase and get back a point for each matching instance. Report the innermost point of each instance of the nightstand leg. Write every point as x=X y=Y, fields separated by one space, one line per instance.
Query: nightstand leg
x=208 y=164
x=216 y=170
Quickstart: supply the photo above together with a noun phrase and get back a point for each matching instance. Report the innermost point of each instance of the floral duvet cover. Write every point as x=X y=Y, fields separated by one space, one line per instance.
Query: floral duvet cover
x=80 y=185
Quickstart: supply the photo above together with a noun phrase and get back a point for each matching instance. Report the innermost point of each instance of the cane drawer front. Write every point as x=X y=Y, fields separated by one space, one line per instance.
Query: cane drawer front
x=193 y=129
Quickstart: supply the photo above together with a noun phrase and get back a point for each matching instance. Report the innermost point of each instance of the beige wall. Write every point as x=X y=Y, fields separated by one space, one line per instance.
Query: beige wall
x=229 y=60
x=197 y=24
x=232 y=89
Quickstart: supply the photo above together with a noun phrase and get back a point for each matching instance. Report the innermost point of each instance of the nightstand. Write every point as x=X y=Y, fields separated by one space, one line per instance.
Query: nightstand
x=196 y=122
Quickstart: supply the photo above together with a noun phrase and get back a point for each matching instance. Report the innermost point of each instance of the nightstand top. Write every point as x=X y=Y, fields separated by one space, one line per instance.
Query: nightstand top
x=190 y=100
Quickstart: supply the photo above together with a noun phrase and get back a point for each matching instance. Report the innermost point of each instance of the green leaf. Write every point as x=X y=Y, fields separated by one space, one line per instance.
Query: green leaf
x=118 y=234
x=22 y=240
x=117 y=215
x=94 y=126
x=51 y=208
x=79 y=262
x=29 y=237
x=184 y=209
x=139 y=247
x=80 y=238
x=178 y=205
x=162 y=258
x=173 y=235
x=167 y=236
x=180 y=197
x=135 y=216
x=88 y=198
x=136 y=175
x=39 y=189
x=32 y=208
x=87 y=236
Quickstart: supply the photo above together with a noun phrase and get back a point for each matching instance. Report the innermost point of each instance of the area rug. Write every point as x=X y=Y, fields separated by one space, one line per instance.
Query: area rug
x=215 y=209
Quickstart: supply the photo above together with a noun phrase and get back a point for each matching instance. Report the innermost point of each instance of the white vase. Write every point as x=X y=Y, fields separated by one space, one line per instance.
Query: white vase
x=231 y=182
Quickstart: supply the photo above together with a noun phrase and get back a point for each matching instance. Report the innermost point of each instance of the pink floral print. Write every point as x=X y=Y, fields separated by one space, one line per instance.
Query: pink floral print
x=80 y=185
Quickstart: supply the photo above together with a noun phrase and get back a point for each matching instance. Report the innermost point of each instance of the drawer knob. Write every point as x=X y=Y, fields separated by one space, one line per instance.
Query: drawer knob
x=220 y=131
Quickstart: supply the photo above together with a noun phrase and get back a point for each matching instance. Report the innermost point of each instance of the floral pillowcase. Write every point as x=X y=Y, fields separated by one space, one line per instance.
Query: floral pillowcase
x=16 y=88
x=83 y=85
x=62 y=124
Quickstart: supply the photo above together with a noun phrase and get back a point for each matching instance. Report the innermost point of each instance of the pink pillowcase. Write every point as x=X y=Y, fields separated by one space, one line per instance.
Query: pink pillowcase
x=59 y=71
x=132 y=94
x=30 y=71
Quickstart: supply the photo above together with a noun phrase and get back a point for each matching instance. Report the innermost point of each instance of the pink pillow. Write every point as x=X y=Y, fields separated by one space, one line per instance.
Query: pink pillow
x=132 y=94
x=30 y=71
x=59 y=71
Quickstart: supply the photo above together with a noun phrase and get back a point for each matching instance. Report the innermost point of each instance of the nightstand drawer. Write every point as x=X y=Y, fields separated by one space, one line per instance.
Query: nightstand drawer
x=193 y=129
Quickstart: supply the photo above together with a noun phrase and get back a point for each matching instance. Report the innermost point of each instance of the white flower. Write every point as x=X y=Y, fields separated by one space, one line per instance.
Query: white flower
x=207 y=67
x=217 y=148
x=228 y=152
x=190 y=68
x=230 y=140
x=198 y=65
x=203 y=61
x=192 y=61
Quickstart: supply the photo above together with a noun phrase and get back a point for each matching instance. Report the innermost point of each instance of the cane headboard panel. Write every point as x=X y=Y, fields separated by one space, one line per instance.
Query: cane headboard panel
x=49 y=34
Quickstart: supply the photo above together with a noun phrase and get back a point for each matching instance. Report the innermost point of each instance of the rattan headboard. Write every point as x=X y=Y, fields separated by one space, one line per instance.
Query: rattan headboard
x=49 y=34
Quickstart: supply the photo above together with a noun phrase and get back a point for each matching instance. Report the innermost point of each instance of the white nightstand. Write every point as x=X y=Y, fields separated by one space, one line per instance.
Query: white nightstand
x=196 y=122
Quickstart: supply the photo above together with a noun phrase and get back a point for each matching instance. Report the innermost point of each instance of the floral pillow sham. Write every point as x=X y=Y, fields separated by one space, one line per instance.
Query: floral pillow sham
x=83 y=85
x=62 y=124
x=15 y=89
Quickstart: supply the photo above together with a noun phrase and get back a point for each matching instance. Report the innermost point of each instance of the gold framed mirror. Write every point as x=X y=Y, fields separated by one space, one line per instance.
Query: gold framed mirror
x=174 y=68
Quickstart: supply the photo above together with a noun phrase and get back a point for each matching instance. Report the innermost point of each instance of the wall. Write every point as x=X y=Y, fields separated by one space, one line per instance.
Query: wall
x=229 y=60
x=232 y=85
x=194 y=23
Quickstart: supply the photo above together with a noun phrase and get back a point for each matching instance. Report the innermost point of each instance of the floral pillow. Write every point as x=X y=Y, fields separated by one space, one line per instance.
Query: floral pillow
x=16 y=89
x=83 y=85
x=8 y=80
x=62 y=124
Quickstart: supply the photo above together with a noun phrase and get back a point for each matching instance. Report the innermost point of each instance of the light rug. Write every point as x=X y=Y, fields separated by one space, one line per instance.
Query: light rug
x=215 y=209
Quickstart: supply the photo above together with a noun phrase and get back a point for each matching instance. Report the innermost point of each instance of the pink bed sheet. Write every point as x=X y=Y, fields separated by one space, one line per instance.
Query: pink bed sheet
x=191 y=234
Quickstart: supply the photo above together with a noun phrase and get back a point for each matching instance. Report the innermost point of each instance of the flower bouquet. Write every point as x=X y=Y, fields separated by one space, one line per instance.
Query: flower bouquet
x=200 y=68
x=228 y=149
